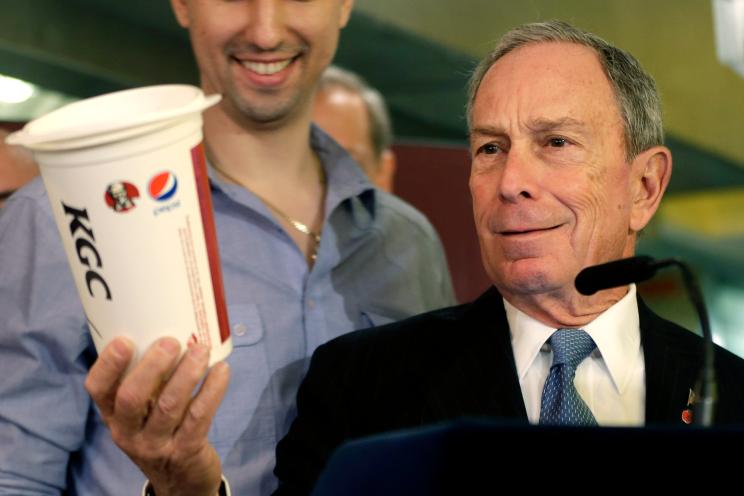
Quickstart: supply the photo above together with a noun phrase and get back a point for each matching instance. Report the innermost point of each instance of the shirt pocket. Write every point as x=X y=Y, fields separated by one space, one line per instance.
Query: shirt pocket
x=245 y=403
x=246 y=328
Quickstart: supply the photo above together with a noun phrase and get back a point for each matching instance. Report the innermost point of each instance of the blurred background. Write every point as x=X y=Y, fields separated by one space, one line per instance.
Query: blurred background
x=419 y=54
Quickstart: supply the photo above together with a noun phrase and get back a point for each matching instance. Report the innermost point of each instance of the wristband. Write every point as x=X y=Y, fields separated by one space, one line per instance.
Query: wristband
x=224 y=490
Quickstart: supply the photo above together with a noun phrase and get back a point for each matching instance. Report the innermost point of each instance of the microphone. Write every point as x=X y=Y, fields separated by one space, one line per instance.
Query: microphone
x=613 y=274
x=636 y=269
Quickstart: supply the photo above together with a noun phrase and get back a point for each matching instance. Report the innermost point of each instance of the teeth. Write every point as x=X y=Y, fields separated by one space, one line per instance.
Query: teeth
x=266 y=68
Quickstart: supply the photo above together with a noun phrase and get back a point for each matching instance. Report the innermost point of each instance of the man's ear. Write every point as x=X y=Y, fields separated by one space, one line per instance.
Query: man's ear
x=181 y=11
x=385 y=177
x=651 y=171
x=346 y=6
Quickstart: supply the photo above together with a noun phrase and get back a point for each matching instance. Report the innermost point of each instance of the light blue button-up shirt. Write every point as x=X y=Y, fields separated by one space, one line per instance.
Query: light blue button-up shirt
x=379 y=260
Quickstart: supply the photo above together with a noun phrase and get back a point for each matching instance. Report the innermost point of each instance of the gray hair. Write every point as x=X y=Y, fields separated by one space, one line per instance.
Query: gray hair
x=380 y=127
x=635 y=89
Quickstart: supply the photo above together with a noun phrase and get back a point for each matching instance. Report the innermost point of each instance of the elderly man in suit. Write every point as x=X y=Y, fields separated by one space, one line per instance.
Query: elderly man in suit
x=568 y=165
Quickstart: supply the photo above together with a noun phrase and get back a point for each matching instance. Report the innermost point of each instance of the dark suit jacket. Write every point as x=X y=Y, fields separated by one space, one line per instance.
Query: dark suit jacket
x=459 y=362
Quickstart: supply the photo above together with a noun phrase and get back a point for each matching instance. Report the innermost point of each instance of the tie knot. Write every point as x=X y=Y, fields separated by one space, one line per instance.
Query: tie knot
x=571 y=346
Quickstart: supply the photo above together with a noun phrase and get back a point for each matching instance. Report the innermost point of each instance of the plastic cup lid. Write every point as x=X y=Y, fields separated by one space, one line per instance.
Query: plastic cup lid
x=111 y=116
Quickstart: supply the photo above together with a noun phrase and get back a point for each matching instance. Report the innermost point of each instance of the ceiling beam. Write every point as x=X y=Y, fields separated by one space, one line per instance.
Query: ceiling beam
x=83 y=51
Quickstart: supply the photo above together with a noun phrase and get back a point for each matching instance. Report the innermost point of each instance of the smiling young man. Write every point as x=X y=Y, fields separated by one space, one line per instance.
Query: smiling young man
x=309 y=250
x=568 y=165
x=265 y=58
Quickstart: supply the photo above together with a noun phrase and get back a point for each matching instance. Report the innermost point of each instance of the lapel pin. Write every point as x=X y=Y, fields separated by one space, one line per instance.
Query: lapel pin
x=687 y=412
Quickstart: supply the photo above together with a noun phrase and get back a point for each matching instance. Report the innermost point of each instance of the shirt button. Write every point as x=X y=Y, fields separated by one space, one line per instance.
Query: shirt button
x=240 y=329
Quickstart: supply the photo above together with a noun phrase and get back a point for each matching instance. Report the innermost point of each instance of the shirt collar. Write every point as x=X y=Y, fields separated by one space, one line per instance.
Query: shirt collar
x=345 y=179
x=615 y=331
x=527 y=335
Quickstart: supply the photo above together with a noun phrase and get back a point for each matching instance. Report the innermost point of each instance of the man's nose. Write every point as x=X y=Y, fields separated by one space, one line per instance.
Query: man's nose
x=519 y=175
x=266 y=23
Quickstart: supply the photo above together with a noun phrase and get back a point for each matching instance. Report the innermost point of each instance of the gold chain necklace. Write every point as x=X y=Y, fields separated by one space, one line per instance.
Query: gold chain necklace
x=300 y=226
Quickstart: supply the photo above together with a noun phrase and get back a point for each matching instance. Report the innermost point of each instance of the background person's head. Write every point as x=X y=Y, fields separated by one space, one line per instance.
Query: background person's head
x=264 y=56
x=355 y=115
x=17 y=167
x=564 y=174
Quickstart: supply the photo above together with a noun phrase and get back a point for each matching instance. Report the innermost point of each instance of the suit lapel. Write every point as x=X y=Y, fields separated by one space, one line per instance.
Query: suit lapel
x=672 y=367
x=481 y=379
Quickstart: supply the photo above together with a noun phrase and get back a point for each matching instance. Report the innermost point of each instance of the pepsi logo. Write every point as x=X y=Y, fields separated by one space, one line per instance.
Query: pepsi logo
x=163 y=186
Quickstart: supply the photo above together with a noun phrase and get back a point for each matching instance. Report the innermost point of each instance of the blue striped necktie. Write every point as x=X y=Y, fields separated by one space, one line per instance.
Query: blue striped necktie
x=561 y=403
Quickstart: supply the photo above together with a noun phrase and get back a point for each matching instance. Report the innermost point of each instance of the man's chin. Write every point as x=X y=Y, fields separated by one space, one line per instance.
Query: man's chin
x=265 y=115
x=530 y=277
x=265 y=110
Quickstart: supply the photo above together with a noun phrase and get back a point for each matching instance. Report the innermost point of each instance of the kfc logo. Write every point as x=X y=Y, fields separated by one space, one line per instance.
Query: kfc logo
x=120 y=196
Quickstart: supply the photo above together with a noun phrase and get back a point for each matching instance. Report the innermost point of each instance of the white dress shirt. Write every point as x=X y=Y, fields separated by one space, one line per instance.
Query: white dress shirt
x=610 y=381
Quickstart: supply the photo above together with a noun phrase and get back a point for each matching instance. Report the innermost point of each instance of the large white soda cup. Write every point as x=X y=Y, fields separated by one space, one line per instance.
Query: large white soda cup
x=126 y=177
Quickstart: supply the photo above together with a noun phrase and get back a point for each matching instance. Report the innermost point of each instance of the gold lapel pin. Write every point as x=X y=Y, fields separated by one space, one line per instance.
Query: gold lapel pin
x=687 y=412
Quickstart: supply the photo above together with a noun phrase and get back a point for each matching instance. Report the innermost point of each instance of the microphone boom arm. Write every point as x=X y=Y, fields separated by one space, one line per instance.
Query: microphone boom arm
x=640 y=268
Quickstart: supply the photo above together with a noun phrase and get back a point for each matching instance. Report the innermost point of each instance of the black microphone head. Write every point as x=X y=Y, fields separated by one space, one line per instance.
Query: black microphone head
x=613 y=274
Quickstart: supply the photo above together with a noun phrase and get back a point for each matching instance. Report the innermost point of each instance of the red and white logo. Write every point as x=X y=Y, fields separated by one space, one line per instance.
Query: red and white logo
x=120 y=196
x=163 y=186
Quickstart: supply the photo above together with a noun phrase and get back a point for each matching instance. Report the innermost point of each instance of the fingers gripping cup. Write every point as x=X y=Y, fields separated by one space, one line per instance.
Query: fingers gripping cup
x=126 y=177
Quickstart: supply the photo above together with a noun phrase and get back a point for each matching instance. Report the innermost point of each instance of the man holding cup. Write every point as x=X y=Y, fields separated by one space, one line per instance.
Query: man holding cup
x=309 y=249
